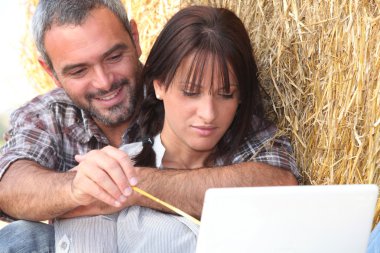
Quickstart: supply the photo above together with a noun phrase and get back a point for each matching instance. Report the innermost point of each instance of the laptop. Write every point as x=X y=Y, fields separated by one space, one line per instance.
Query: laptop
x=291 y=219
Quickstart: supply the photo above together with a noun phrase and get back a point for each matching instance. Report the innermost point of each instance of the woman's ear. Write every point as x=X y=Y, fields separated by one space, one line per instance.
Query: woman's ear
x=159 y=89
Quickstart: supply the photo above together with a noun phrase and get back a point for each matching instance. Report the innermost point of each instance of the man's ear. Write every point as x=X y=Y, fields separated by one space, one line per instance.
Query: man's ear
x=135 y=36
x=48 y=70
x=159 y=89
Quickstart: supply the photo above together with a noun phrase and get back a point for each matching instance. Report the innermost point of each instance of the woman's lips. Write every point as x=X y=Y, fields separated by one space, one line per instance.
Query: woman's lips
x=205 y=130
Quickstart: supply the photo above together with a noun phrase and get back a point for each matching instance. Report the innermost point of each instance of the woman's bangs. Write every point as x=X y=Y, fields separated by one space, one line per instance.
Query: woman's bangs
x=201 y=61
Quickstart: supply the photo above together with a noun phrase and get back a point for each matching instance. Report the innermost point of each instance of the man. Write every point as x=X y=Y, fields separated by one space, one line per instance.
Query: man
x=91 y=52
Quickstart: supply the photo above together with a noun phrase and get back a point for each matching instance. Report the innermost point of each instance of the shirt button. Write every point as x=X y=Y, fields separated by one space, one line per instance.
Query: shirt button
x=64 y=244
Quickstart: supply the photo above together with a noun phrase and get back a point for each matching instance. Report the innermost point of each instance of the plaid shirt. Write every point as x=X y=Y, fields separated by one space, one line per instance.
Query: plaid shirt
x=266 y=146
x=51 y=130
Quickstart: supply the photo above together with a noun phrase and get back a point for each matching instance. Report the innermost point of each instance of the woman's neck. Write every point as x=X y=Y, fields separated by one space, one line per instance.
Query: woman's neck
x=179 y=156
x=183 y=160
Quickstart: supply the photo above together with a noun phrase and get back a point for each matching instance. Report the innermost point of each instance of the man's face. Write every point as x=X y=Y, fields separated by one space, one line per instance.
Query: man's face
x=97 y=65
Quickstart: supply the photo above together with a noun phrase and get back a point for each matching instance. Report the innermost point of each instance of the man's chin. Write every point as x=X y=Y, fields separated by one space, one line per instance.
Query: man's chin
x=111 y=121
x=116 y=115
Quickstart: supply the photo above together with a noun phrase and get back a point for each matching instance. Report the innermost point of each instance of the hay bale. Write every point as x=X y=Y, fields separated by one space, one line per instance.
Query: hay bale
x=319 y=63
x=151 y=16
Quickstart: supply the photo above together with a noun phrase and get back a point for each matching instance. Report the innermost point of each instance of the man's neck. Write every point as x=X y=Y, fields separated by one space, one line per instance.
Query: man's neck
x=114 y=133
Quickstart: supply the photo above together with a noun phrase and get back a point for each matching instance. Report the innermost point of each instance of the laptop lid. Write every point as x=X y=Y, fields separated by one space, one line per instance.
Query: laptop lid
x=294 y=219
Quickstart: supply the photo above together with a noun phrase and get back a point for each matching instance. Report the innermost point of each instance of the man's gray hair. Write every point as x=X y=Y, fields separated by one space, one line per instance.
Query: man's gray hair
x=73 y=12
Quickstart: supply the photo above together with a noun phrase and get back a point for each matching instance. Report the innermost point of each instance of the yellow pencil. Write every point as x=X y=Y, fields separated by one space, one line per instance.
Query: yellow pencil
x=174 y=209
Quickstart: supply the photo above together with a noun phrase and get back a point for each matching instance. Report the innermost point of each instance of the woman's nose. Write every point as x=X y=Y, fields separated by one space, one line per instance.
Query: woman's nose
x=207 y=108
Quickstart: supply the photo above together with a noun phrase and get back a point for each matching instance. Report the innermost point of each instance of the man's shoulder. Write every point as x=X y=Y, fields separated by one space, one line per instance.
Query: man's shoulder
x=264 y=136
x=45 y=101
x=262 y=130
x=52 y=104
x=57 y=95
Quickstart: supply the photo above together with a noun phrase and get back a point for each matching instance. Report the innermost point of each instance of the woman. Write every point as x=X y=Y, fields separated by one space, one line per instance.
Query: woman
x=202 y=99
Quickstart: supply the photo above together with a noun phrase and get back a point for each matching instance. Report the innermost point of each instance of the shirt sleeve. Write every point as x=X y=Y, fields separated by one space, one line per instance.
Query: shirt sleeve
x=267 y=146
x=27 y=144
x=29 y=138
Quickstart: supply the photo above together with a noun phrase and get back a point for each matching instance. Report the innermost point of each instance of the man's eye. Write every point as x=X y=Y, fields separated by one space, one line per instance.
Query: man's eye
x=78 y=72
x=115 y=58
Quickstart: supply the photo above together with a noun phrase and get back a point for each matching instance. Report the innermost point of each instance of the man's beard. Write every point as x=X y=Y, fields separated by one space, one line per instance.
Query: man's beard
x=119 y=113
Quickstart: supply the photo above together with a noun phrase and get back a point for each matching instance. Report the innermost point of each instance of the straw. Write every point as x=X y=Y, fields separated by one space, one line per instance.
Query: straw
x=174 y=209
x=319 y=64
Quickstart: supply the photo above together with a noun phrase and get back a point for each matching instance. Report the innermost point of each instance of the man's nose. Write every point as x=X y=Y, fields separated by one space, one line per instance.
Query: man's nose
x=102 y=78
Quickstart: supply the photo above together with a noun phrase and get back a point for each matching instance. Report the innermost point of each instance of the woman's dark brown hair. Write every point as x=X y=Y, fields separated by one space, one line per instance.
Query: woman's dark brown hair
x=204 y=32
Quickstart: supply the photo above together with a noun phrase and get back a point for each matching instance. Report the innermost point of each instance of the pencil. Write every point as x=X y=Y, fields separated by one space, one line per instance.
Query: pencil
x=174 y=209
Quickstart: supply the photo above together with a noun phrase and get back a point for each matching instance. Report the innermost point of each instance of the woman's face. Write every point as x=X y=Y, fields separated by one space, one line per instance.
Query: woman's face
x=195 y=120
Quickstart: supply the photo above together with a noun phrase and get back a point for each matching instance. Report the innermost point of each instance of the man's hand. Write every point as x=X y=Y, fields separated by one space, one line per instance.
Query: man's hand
x=106 y=175
x=99 y=208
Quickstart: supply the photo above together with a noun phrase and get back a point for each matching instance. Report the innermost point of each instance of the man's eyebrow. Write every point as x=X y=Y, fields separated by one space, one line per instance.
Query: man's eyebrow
x=68 y=68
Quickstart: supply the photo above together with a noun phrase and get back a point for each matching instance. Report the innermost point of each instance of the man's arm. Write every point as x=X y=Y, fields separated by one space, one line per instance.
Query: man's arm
x=31 y=192
x=185 y=189
x=263 y=163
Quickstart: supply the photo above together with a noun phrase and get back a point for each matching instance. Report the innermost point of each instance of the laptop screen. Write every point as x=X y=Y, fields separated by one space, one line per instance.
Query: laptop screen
x=333 y=218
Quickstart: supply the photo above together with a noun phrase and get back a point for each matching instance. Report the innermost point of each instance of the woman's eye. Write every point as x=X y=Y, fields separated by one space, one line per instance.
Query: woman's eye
x=227 y=95
x=189 y=93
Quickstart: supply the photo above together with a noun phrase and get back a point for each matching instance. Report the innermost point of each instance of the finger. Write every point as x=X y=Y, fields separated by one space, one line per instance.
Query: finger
x=116 y=169
x=91 y=188
x=129 y=169
x=105 y=172
x=125 y=162
x=103 y=180
x=79 y=158
x=98 y=177
x=117 y=165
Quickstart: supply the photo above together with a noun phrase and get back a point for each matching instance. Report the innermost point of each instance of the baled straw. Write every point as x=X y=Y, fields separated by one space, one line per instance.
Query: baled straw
x=319 y=65
x=151 y=16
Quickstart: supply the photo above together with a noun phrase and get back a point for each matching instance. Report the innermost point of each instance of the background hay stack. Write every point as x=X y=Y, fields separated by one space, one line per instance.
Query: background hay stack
x=319 y=64
x=151 y=16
